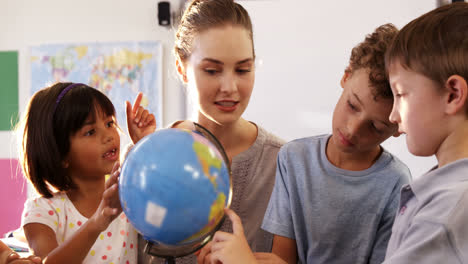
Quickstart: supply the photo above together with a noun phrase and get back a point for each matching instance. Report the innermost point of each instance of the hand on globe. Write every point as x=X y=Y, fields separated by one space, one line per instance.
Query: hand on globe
x=231 y=248
x=109 y=207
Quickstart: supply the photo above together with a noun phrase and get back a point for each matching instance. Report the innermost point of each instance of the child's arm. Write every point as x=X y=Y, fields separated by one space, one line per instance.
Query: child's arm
x=279 y=210
x=139 y=121
x=384 y=230
x=42 y=239
x=8 y=256
x=285 y=248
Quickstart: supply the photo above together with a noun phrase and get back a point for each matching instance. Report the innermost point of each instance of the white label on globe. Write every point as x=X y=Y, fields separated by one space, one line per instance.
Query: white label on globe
x=155 y=214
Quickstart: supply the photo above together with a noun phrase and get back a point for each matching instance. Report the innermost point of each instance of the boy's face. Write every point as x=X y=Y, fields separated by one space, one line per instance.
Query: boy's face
x=360 y=121
x=418 y=109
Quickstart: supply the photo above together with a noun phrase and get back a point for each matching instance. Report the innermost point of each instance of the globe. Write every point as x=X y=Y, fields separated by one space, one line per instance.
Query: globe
x=173 y=187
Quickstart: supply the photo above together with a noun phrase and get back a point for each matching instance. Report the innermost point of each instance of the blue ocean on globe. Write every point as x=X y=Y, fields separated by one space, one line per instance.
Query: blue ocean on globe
x=173 y=187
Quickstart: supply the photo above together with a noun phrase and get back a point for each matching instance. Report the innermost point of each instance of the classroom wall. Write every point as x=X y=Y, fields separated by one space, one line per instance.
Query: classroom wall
x=302 y=48
x=12 y=195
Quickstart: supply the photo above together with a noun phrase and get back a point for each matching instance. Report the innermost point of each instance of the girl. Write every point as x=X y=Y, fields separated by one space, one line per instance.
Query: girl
x=215 y=59
x=70 y=142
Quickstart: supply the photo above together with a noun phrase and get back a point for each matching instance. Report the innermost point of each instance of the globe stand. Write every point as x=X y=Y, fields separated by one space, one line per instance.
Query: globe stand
x=168 y=259
x=170 y=253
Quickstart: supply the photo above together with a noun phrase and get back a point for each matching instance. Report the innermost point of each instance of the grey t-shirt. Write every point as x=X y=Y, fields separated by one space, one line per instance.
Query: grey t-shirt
x=431 y=226
x=253 y=177
x=335 y=215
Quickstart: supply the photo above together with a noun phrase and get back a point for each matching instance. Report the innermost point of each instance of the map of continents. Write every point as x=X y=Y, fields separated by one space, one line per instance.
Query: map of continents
x=120 y=70
x=208 y=159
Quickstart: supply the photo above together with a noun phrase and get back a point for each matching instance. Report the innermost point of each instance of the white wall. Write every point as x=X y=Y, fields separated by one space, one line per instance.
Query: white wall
x=302 y=47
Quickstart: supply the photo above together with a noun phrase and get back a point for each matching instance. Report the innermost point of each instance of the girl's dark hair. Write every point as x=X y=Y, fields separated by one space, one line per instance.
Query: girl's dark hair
x=201 y=15
x=46 y=128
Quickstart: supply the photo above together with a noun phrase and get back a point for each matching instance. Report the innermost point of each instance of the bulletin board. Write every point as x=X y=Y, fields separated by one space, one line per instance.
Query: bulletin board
x=8 y=89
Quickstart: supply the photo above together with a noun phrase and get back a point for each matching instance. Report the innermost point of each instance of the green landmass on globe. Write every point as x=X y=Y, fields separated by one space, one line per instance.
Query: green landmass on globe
x=216 y=214
x=209 y=159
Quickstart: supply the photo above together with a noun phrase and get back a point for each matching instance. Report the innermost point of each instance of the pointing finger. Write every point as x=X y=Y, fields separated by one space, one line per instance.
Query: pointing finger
x=137 y=102
x=237 y=228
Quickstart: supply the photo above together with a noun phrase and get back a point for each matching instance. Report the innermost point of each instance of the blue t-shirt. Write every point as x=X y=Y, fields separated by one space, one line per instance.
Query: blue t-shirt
x=335 y=215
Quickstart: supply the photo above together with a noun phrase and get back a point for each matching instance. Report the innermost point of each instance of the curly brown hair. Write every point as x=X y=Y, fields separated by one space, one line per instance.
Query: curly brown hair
x=370 y=55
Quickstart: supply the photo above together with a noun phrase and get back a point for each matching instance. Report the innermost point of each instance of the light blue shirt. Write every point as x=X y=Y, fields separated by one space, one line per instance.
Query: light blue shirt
x=432 y=224
x=335 y=215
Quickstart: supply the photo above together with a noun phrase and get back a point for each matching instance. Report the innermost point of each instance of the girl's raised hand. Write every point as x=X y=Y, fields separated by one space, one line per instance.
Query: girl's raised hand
x=139 y=121
x=231 y=248
x=110 y=207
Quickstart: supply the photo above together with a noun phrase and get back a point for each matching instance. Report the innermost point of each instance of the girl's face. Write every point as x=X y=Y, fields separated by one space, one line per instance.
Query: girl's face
x=221 y=72
x=94 y=148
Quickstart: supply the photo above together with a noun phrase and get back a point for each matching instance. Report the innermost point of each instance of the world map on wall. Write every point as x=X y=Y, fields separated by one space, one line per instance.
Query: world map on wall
x=120 y=70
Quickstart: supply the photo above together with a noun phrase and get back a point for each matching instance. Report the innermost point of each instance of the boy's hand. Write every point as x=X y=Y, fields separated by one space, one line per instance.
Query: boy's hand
x=231 y=248
x=110 y=207
x=14 y=258
x=268 y=258
x=139 y=121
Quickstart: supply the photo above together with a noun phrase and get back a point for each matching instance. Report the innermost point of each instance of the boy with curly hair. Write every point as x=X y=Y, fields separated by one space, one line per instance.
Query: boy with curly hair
x=335 y=196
